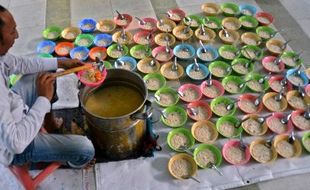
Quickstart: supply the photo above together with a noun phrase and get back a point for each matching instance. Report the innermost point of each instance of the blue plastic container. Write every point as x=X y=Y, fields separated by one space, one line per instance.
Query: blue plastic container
x=126 y=59
x=202 y=68
x=245 y=8
x=302 y=75
x=87 y=25
x=81 y=51
x=182 y=46
x=103 y=40
x=210 y=49
x=46 y=46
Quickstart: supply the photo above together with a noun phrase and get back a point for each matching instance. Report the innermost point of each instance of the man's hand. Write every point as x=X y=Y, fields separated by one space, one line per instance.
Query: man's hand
x=45 y=85
x=69 y=63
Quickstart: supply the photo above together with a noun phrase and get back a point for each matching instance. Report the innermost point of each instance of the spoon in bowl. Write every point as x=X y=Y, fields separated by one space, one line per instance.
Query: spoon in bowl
x=307 y=113
x=119 y=15
x=268 y=142
x=197 y=67
x=285 y=119
x=231 y=105
x=242 y=145
x=279 y=96
x=204 y=50
x=261 y=80
x=291 y=139
x=174 y=65
x=209 y=80
x=213 y=166
x=153 y=61
x=285 y=44
x=258 y=99
x=241 y=85
x=141 y=22
x=226 y=34
x=202 y=30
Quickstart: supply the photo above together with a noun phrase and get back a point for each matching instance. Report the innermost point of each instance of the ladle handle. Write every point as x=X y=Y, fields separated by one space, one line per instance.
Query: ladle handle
x=73 y=70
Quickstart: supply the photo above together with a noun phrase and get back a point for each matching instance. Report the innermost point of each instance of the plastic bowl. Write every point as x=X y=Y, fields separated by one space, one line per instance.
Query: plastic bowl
x=208 y=37
x=179 y=33
x=45 y=55
x=92 y=84
x=170 y=93
x=218 y=101
x=279 y=115
x=251 y=98
x=160 y=39
x=270 y=66
x=166 y=26
x=189 y=92
x=283 y=102
x=208 y=135
x=124 y=23
x=247 y=9
x=235 y=144
x=284 y=137
x=63 y=48
x=265 y=32
x=103 y=40
x=85 y=40
x=232 y=120
x=212 y=22
x=294 y=117
x=154 y=77
x=162 y=55
x=46 y=46
x=258 y=142
x=231 y=23
x=274 y=83
x=307 y=71
x=228 y=48
x=248 y=22
x=233 y=36
x=184 y=157
x=214 y=151
x=206 y=90
x=99 y=52
x=193 y=74
x=235 y=79
x=288 y=59
x=196 y=21
x=144 y=65
x=117 y=37
x=264 y=18
x=87 y=25
x=305 y=139
x=242 y=70
x=184 y=132
x=307 y=90
x=130 y=63
x=150 y=24
x=211 y=54
x=250 y=38
x=256 y=77
x=184 y=51
x=216 y=65
x=249 y=130
x=176 y=14
x=211 y=9
x=140 y=51
x=257 y=52
x=291 y=72
x=294 y=93
x=230 y=9
x=80 y=53
x=106 y=26
x=70 y=33
x=166 y=70
x=107 y=65
x=51 y=33
x=114 y=53
x=274 y=46
x=140 y=38
x=175 y=110
x=199 y=110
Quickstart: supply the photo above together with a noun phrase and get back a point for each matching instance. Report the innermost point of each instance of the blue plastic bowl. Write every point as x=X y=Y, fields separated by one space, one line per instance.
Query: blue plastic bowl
x=107 y=38
x=83 y=53
x=202 y=67
x=248 y=7
x=46 y=46
x=210 y=49
x=87 y=25
x=127 y=59
x=302 y=75
x=179 y=47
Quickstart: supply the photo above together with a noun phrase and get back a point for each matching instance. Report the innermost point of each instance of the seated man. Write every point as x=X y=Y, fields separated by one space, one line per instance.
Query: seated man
x=23 y=108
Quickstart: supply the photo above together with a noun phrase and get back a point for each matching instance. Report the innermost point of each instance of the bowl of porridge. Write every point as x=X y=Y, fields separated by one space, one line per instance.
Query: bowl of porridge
x=251 y=38
x=207 y=153
x=274 y=83
x=290 y=59
x=247 y=9
x=174 y=116
x=275 y=125
x=92 y=77
x=164 y=39
x=85 y=40
x=125 y=38
x=253 y=82
x=231 y=23
x=161 y=55
x=100 y=52
x=166 y=96
x=197 y=74
x=171 y=74
x=265 y=32
x=87 y=25
x=80 y=53
x=63 y=49
x=115 y=51
x=262 y=153
x=45 y=55
x=147 y=65
x=149 y=24
x=229 y=126
x=248 y=22
x=252 y=126
x=307 y=89
x=141 y=38
x=184 y=51
x=207 y=37
x=176 y=14
x=166 y=25
x=228 y=52
x=126 y=62
x=46 y=46
x=189 y=92
x=286 y=149
x=219 y=69
x=272 y=104
x=252 y=52
x=180 y=138
x=51 y=33
x=212 y=22
x=107 y=65
x=182 y=33
x=192 y=20
x=154 y=81
x=204 y=131
x=275 y=46
x=234 y=154
x=230 y=9
x=123 y=21
x=296 y=101
x=70 y=33
x=270 y=65
x=106 y=26
x=299 y=120
x=103 y=40
x=182 y=166
x=219 y=106
x=242 y=66
x=296 y=80
x=211 y=9
x=229 y=36
x=199 y=110
x=140 y=51
x=232 y=84
x=209 y=55
x=246 y=104
x=264 y=18
x=306 y=141
x=212 y=91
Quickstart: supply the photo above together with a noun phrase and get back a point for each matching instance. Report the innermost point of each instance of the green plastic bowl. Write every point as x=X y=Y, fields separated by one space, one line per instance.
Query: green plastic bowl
x=197 y=18
x=229 y=48
x=107 y=65
x=234 y=7
x=216 y=151
x=166 y=90
x=242 y=61
x=143 y=48
x=156 y=76
x=237 y=79
x=183 y=131
x=254 y=48
x=113 y=47
x=52 y=33
x=266 y=29
x=256 y=77
x=85 y=40
x=220 y=64
x=226 y=101
x=174 y=109
x=291 y=54
x=303 y=140
x=212 y=19
x=230 y=119
x=249 y=19
x=45 y=55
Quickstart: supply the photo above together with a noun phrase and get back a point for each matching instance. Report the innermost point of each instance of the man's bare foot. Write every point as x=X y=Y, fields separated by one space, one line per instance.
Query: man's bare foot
x=90 y=164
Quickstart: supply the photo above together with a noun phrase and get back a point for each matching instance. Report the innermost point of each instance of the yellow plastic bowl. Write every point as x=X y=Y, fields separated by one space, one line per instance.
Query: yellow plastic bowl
x=204 y=123
x=272 y=95
x=211 y=9
x=165 y=22
x=180 y=35
x=106 y=26
x=284 y=137
x=144 y=66
x=262 y=141
x=274 y=42
x=116 y=37
x=210 y=33
x=234 y=34
x=252 y=36
x=263 y=126
x=70 y=33
x=167 y=66
x=226 y=22
x=291 y=94
x=160 y=39
x=182 y=156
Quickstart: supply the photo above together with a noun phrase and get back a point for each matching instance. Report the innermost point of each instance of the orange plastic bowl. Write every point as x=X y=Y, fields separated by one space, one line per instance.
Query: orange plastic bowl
x=63 y=49
x=100 y=52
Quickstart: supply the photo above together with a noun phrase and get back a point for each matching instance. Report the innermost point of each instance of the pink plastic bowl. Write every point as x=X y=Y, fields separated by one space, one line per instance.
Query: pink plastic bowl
x=268 y=59
x=307 y=89
x=265 y=15
x=194 y=87
x=279 y=115
x=274 y=78
x=177 y=11
x=294 y=114
x=252 y=98
x=92 y=84
x=199 y=103
x=215 y=83
x=161 y=49
x=143 y=34
x=234 y=143
x=150 y=20
x=118 y=21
